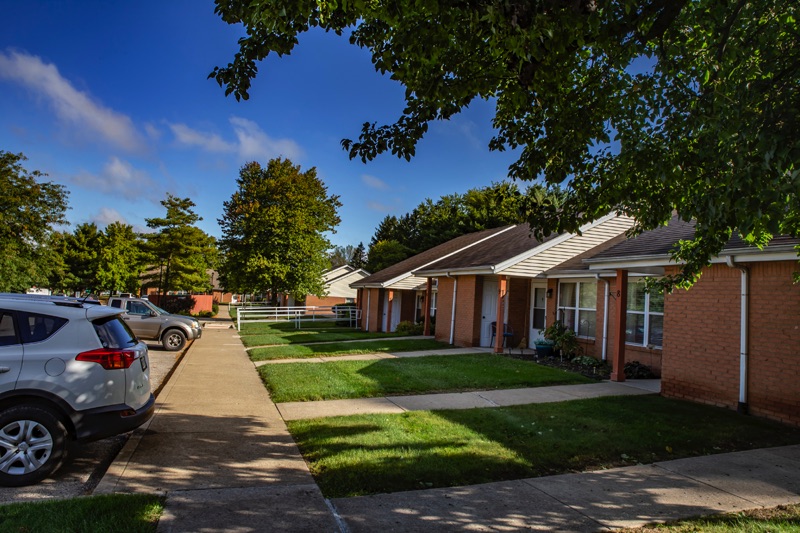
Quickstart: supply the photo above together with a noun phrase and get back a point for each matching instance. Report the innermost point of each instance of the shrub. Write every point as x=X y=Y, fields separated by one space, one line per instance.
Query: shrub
x=181 y=305
x=564 y=339
x=409 y=328
x=636 y=370
x=585 y=360
x=214 y=308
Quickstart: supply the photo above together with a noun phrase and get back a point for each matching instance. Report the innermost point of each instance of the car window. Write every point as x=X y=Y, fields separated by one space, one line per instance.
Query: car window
x=36 y=328
x=138 y=308
x=8 y=335
x=116 y=303
x=113 y=332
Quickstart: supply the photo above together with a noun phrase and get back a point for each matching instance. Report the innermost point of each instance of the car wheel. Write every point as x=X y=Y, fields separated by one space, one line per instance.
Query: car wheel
x=33 y=444
x=173 y=340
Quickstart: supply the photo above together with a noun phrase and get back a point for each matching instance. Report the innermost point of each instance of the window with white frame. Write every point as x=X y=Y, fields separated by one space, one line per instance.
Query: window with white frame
x=433 y=303
x=577 y=306
x=644 y=320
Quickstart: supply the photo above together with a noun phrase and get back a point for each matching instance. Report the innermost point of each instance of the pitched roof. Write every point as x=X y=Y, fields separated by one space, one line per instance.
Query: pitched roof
x=511 y=243
x=657 y=244
x=516 y=253
x=578 y=265
x=404 y=268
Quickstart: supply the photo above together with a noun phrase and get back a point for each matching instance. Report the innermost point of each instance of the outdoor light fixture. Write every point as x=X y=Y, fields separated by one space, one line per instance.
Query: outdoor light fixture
x=550 y=293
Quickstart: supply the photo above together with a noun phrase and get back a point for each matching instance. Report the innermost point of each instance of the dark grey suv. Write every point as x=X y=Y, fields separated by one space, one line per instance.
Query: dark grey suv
x=69 y=371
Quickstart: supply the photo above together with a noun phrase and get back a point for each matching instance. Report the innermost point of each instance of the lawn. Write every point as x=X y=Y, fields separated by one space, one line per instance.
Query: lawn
x=303 y=336
x=363 y=379
x=781 y=519
x=114 y=513
x=300 y=351
x=370 y=454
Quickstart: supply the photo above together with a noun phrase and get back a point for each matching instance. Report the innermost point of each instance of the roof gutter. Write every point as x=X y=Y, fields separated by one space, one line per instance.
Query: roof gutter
x=743 y=333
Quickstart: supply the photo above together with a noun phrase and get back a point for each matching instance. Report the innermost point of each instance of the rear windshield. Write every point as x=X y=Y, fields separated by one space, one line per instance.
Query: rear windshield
x=36 y=328
x=113 y=332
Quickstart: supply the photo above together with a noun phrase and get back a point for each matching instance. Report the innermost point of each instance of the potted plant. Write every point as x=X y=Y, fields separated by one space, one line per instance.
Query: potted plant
x=544 y=347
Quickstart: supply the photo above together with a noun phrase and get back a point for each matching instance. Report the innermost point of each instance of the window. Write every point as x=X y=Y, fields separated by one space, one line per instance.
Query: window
x=8 y=334
x=644 y=321
x=433 y=303
x=36 y=328
x=577 y=306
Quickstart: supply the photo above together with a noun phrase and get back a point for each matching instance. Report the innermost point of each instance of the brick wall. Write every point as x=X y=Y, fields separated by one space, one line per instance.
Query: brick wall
x=373 y=315
x=701 y=340
x=469 y=299
x=327 y=301
x=519 y=292
x=408 y=305
x=444 y=304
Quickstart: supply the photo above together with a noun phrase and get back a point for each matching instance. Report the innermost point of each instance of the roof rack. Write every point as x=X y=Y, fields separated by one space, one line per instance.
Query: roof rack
x=66 y=301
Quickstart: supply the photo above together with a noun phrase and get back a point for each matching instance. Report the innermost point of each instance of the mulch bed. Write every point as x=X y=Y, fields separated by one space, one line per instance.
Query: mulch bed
x=597 y=372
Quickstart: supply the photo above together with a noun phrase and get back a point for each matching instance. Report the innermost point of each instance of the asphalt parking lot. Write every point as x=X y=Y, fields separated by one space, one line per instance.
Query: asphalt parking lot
x=87 y=463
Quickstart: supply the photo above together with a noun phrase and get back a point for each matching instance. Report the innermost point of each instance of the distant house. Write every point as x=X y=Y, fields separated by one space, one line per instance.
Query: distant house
x=731 y=340
x=337 y=286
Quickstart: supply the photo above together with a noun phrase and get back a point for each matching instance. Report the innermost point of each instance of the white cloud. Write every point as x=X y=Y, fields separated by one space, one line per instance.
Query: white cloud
x=107 y=215
x=252 y=143
x=255 y=144
x=374 y=183
x=71 y=105
x=120 y=178
x=211 y=142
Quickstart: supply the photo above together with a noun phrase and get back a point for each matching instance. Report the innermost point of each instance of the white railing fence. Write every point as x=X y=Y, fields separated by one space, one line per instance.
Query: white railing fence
x=297 y=314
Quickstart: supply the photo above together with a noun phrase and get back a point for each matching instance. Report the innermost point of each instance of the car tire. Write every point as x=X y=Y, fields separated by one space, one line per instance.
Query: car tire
x=33 y=444
x=173 y=340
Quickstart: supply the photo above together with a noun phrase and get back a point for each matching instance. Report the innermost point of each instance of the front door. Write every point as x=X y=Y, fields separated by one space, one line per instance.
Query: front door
x=488 y=310
x=538 y=312
x=396 y=306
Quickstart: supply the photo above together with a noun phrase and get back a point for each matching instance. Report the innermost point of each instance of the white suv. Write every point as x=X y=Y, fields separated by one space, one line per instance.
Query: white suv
x=69 y=370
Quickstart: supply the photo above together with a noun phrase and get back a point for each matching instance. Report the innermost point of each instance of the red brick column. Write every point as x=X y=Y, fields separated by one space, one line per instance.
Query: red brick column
x=618 y=356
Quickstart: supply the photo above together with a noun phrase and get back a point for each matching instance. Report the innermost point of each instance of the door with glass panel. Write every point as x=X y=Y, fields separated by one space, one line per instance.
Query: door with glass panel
x=538 y=312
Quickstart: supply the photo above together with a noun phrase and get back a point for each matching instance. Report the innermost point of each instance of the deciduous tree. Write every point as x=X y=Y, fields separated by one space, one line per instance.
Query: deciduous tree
x=273 y=231
x=119 y=259
x=29 y=209
x=639 y=106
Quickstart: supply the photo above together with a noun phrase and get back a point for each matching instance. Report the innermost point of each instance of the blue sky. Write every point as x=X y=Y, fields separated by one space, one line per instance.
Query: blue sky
x=111 y=99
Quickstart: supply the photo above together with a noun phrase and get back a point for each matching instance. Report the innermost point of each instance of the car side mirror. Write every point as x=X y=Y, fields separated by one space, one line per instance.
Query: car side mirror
x=153 y=313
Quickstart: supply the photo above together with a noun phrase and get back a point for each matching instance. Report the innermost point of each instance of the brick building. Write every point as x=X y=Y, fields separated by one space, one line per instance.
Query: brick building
x=731 y=340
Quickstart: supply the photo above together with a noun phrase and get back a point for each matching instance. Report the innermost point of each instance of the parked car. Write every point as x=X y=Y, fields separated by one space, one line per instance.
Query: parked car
x=148 y=321
x=69 y=371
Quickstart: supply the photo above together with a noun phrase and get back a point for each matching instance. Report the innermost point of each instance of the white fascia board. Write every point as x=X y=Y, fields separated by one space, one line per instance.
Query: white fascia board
x=549 y=244
x=640 y=262
x=466 y=271
x=740 y=256
x=493 y=235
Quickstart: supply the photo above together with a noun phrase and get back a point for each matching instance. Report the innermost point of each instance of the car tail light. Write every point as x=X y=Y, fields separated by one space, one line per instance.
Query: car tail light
x=109 y=358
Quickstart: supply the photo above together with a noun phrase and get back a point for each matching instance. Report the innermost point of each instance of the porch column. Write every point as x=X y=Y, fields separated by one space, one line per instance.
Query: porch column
x=500 y=329
x=618 y=357
x=389 y=312
x=427 y=306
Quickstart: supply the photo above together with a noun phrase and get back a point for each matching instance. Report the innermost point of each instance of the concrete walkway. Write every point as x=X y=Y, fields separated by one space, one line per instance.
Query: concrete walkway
x=464 y=400
x=219 y=450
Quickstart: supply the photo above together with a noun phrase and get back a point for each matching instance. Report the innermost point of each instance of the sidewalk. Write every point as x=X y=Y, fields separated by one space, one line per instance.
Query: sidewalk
x=219 y=450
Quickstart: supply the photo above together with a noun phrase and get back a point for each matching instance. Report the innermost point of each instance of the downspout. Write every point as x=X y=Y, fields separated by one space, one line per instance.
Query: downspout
x=743 y=327
x=453 y=308
x=605 y=314
x=369 y=294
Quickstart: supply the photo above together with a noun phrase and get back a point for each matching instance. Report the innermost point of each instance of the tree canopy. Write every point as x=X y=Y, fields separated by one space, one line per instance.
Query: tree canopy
x=273 y=231
x=433 y=222
x=641 y=106
x=179 y=253
x=30 y=208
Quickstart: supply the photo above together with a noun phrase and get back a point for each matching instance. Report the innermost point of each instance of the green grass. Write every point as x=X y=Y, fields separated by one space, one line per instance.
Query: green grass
x=300 y=351
x=781 y=519
x=370 y=454
x=305 y=336
x=114 y=514
x=294 y=382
